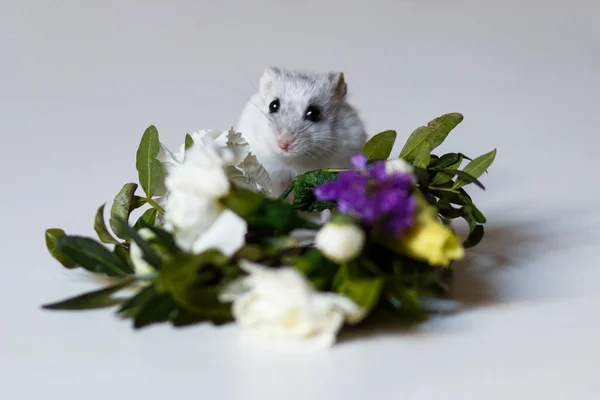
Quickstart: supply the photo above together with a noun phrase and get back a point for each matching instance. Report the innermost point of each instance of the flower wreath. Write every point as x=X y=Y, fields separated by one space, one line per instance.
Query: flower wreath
x=213 y=245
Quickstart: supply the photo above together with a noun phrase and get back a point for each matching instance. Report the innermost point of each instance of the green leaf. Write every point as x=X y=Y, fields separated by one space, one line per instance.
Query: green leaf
x=122 y=251
x=149 y=306
x=476 y=168
x=364 y=291
x=148 y=253
x=470 y=218
x=463 y=175
x=406 y=301
x=422 y=176
x=446 y=161
x=149 y=169
x=147 y=219
x=157 y=309
x=130 y=308
x=442 y=126
x=279 y=217
x=165 y=239
x=264 y=213
x=458 y=197
x=138 y=202
x=100 y=227
x=422 y=160
x=91 y=300
x=474 y=237
x=122 y=207
x=91 y=255
x=473 y=210
x=304 y=186
x=442 y=177
x=317 y=268
x=194 y=281
x=432 y=159
x=189 y=142
x=52 y=235
x=413 y=144
x=243 y=202
x=447 y=211
x=183 y=318
x=435 y=133
x=380 y=146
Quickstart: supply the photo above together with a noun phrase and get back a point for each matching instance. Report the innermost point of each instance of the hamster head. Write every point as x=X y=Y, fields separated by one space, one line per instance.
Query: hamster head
x=301 y=111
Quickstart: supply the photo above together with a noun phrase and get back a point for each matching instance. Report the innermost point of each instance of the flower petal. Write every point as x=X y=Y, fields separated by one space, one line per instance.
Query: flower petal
x=359 y=161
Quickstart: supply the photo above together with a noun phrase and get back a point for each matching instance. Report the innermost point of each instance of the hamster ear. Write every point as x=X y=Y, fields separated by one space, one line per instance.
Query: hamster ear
x=340 y=87
x=267 y=78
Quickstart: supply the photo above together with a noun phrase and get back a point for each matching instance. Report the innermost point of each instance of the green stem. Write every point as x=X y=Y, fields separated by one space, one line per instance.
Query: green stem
x=156 y=206
x=147 y=277
x=286 y=192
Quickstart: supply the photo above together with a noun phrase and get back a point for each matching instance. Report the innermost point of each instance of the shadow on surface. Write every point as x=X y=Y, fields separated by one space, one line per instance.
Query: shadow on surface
x=508 y=245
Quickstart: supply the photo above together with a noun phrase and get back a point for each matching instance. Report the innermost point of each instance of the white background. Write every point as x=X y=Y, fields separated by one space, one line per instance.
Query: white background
x=81 y=80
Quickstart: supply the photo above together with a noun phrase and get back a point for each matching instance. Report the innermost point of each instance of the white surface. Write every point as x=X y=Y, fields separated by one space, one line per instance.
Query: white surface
x=80 y=81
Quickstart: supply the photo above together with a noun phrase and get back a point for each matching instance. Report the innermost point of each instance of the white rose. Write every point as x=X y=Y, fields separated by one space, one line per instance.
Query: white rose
x=251 y=175
x=340 y=242
x=140 y=266
x=201 y=174
x=197 y=178
x=280 y=305
x=398 y=165
x=195 y=187
x=190 y=216
x=226 y=234
x=239 y=146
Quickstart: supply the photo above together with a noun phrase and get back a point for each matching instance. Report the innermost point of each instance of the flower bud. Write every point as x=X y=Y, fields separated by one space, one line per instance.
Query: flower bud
x=428 y=239
x=398 y=165
x=340 y=242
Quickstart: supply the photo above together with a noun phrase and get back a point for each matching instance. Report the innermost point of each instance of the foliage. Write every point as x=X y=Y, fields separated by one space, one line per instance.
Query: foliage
x=184 y=287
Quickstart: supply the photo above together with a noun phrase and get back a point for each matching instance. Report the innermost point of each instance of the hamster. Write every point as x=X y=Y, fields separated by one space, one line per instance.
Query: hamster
x=299 y=121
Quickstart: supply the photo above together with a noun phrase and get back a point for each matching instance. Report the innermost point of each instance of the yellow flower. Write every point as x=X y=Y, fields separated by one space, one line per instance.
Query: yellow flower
x=428 y=239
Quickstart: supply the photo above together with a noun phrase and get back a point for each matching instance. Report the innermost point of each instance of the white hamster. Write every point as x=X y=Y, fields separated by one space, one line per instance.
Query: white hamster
x=300 y=121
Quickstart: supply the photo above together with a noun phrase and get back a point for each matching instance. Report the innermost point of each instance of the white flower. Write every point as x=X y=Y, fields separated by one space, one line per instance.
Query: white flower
x=250 y=174
x=189 y=216
x=398 y=165
x=239 y=146
x=195 y=188
x=197 y=178
x=226 y=234
x=232 y=141
x=168 y=158
x=340 y=242
x=241 y=166
x=280 y=305
x=140 y=266
x=202 y=173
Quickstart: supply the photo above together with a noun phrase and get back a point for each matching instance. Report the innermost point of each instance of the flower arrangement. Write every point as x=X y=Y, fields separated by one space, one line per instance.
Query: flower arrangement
x=348 y=244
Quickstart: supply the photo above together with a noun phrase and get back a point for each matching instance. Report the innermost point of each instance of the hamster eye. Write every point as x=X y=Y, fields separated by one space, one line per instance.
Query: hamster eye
x=274 y=106
x=313 y=113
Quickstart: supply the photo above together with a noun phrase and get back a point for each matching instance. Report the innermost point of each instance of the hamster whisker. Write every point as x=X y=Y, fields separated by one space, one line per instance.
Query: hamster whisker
x=247 y=77
x=303 y=130
x=255 y=105
x=269 y=117
x=312 y=157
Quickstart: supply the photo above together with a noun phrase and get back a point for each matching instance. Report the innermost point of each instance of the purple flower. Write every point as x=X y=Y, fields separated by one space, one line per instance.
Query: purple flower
x=372 y=195
x=359 y=161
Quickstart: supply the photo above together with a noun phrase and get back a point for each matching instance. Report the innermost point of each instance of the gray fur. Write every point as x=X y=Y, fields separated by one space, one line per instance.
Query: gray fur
x=328 y=143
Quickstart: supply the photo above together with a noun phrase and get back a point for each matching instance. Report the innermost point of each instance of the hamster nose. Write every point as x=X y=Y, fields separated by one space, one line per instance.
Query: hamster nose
x=284 y=142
